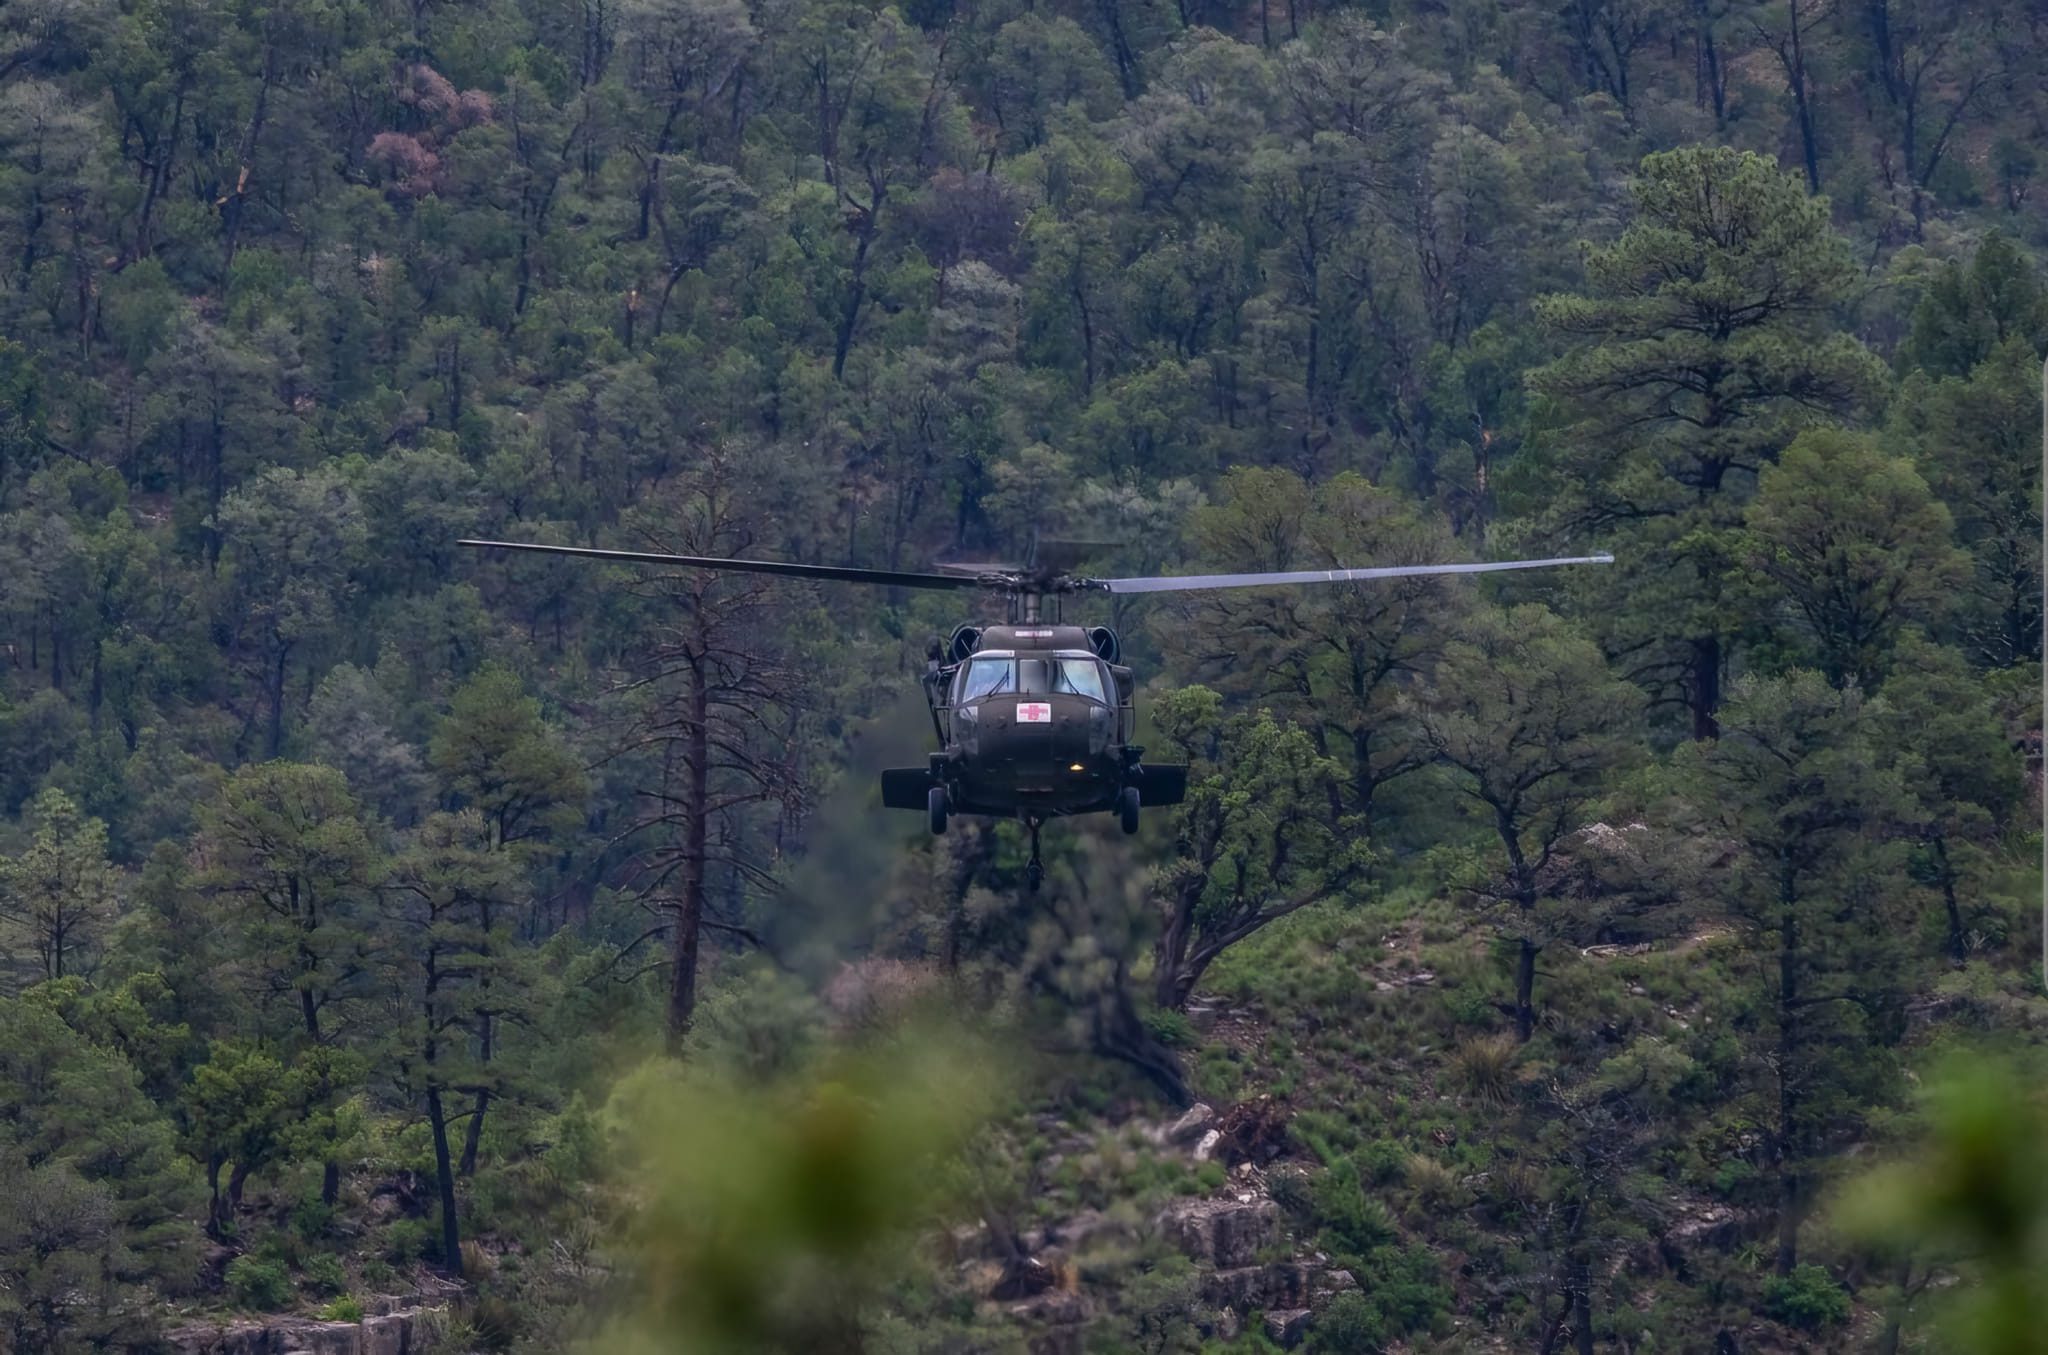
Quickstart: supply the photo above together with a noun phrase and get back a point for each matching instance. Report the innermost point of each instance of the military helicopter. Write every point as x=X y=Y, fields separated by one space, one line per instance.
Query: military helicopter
x=1034 y=717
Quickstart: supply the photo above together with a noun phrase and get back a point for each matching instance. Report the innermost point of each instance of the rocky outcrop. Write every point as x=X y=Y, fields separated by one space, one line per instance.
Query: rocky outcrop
x=397 y=1332
x=1286 y=1327
x=1307 y=1283
x=1057 y=1322
x=1225 y=1234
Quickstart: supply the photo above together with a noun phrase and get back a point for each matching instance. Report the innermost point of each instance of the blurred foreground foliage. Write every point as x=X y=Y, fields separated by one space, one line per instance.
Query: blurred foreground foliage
x=770 y=1213
x=1972 y=1200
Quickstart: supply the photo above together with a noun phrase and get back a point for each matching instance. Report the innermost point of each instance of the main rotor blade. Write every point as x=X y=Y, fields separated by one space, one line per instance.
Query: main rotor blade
x=888 y=578
x=1191 y=582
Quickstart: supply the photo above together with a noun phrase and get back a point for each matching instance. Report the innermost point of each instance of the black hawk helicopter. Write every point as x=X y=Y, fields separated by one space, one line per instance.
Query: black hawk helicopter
x=1034 y=718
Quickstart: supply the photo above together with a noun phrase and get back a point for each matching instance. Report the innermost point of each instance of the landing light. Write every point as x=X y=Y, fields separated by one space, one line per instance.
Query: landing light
x=1077 y=767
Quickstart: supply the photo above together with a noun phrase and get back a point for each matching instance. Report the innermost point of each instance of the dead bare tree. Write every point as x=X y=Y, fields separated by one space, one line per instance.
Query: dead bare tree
x=713 y=716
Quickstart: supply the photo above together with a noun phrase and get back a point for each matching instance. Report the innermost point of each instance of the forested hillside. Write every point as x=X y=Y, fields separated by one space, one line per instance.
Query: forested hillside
x=518 y=943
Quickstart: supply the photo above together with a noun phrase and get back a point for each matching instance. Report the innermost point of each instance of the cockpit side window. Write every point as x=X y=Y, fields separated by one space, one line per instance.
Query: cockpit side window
x=987 y=677
x=1083 y=677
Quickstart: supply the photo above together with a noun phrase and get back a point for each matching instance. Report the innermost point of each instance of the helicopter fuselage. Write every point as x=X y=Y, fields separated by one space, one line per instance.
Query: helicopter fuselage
x=1032 y=721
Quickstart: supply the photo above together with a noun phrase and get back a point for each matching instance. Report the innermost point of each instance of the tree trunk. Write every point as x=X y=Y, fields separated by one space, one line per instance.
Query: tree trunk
x=1582 y=1303
x=682 y=988
x=1788 y=1043
x=444 y=1177
x=216 y=1215
x=160 y=174
x=239 y=193
x=276 y=740
x=1118 y=1033
x=1170 y=951
x=1525 y=989
x=1958 y=947
x=1524 y=881
x=487 y=1028
x=472 y=1140
x=1706 y=687
x=1795 y=70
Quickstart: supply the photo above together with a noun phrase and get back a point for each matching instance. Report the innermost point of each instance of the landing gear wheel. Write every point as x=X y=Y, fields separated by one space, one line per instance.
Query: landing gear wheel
x=1127 y=809
x=935 y=804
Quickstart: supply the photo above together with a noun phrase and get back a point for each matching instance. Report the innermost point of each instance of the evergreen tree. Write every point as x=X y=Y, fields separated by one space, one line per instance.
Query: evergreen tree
x=1526 y=713
x=1976 y=440
x=92 y=1229
x=61 y=893
x=1800 y=786
x=1854 y=541
x=1704 y=347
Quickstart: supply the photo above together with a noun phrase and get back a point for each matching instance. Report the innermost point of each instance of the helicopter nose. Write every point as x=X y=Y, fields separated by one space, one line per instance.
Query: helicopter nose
x=1034 y=730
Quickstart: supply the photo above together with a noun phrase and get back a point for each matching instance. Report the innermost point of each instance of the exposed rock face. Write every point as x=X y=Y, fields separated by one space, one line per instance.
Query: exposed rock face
x=1286 y=1327
x=1284 y=1284
x=1086 y=1228
x=1059 y=1322
x=1200 y=1118
x=391 y=1333
x=388 y=1335
x=1226 y=1234
x=328 y=1338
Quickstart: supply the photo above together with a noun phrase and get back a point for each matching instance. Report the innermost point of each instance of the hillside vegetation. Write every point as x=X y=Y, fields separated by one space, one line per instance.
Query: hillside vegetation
x=429 y=950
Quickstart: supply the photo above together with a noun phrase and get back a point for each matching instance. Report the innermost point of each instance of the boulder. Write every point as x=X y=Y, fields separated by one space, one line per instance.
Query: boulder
x=385 y=1333
x=322 y=1338
x=1286 y=1327
x=1200 y=1118
x=1087 y=1229
x=390 y=1334
x=229 y=1338
x=1206 y=1149
x=1054 y=1308
x=1330 y=1283
x=1059 y=1319
x=1285 y=1284
x=1226 y=1234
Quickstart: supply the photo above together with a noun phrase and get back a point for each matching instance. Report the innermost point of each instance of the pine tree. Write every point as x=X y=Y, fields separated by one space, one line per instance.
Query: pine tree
x=1704 y=346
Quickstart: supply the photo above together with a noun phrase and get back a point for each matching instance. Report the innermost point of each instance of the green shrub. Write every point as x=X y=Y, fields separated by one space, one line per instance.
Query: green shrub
x=496 y=1321
x=407 y=1240
x=324 y=1275
x=1401 y=1292
x=311 y=1219
x=1808 y=1299
x=347 y=1308
x=1351 y=1323
x=1355 y=1222
x=1382 y=1162
x=259 y=1285
x=1485 y=1067
x=1407 y=1287
x=1469 y=1005
x=1431 y=1182
x=1171 y=1028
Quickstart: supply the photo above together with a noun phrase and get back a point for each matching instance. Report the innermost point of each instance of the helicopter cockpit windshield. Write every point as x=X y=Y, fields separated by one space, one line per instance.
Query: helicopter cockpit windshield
x=990 y=675
x=1064 y=673
x=987 y=675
